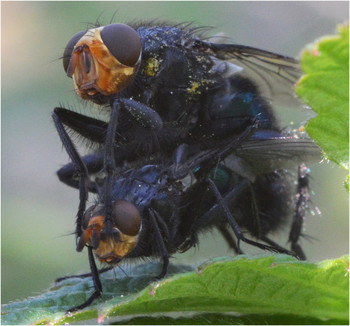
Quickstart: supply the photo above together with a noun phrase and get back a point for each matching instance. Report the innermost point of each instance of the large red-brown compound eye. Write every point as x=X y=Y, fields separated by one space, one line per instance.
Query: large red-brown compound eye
x=126 y=217
x=123 y=42
x=69 y=49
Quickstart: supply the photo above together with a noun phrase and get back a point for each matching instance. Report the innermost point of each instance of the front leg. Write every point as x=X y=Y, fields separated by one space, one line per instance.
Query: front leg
x=80 y=168
x=96 y=281
x=109 y=167
x=160 y=242
x=90 y=128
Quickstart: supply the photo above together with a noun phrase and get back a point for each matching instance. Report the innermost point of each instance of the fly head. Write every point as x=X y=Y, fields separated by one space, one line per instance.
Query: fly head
x=102 y=61
x=111 y=247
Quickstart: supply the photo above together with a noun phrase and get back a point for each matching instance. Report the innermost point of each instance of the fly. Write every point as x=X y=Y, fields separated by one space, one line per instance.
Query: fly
x=153 y=213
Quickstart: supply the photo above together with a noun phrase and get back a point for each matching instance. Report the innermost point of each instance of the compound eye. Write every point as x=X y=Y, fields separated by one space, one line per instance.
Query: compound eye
x=127 y=217
x=123 y=42
x=69 y=49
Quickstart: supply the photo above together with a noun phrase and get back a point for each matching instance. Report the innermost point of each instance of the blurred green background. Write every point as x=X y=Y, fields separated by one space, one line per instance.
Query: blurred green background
x=37 y=210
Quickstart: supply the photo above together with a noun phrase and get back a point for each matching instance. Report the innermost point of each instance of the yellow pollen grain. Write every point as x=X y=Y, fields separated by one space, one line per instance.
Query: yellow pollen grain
x=152 y=67
x=194 y=88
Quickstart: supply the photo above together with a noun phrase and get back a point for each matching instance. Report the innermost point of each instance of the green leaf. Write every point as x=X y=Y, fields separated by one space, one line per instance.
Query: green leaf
x=274 y=289
x=325 y=88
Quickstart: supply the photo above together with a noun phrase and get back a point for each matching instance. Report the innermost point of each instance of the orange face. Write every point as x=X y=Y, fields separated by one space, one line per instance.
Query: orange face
x=95 y=69
x=126 y=228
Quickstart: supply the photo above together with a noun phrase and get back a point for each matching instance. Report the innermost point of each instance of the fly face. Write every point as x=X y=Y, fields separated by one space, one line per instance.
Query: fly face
x=103 y=60
x=126 y=226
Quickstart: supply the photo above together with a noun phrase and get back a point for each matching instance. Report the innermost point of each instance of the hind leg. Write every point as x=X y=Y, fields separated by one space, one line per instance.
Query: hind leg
x=301 y=204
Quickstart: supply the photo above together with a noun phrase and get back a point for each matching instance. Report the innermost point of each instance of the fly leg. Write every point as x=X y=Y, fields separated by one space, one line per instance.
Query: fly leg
x=102 y=270
x=235 y=227
x=227 y=235
x=93 y=163
x=95 y=130
x=109 y=166
x=90 y=128
x=229 y=239
x=83 y=194
x=96 y=281
x=271 y=242
x=80 y=168
x=303 y=198
x=160 y=242
x=186 y=157
x=141 y=114
x=146 y=117
x=208 y=158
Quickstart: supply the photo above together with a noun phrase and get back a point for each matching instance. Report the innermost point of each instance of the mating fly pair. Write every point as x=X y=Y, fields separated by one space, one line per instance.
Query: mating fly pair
x=191 y=143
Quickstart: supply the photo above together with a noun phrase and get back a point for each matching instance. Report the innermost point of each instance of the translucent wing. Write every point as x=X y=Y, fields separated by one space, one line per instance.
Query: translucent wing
x=274 y=74
x=280 y=148
x=256 y=156
x=267 y=155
